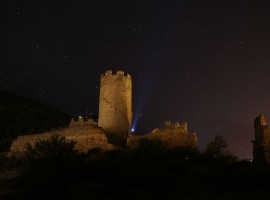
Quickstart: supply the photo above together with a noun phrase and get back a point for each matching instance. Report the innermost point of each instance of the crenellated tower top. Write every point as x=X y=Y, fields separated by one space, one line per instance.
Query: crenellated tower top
x=118 y=74
x=115 y=104
x=261 y=120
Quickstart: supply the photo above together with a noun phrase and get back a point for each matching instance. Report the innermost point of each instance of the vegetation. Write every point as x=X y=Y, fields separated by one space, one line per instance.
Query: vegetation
x=50 y=165
x=21 y=116
x=217 y=146
x=53 y=169
x=217 y=149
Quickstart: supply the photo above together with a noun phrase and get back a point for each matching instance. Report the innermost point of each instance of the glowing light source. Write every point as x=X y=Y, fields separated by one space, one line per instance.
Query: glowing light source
x=132 y=130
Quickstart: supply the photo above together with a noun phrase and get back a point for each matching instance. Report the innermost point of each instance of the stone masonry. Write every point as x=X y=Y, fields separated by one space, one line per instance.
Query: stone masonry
x=173 y=135
x=86 y=137
x=261 y=144
x=115 y=104
x=82 y=122
x=115 y=118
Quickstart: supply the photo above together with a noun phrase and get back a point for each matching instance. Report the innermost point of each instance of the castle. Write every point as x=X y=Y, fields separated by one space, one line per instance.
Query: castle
x=115 y=105
x=114 y=124
x=261 y=144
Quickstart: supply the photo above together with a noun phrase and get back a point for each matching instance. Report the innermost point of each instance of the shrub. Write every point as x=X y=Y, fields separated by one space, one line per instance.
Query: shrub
x=50 y=165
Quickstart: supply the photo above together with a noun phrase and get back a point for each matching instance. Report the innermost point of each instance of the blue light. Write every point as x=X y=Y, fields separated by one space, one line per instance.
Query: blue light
x=132 y=130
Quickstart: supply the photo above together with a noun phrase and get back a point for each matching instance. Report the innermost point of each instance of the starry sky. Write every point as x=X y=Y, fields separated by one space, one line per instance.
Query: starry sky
x=201 y=61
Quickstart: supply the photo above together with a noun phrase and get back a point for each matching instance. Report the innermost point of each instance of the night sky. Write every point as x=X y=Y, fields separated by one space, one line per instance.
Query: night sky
x=205 y=62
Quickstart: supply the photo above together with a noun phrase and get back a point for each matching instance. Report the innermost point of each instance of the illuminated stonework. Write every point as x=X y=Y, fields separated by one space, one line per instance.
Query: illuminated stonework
x=86 y=136
x=173 y=135
x=114 y=123
x=115 y=103
x=261 y=144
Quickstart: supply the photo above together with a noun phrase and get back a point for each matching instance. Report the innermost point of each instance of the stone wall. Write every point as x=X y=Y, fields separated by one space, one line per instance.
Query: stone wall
x=261 y=144
x=173 y=135
x=89 y=136
x=82 y=122
x=86 y=137
x=115 y=102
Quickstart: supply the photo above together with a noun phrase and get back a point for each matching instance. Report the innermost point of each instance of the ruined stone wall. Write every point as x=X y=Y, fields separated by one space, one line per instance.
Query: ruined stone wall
x=173 y=135
x=181 y=127
x=115 y=102
x=82 y=122
x=86 y=137
x=90 y=136
x=261 y=144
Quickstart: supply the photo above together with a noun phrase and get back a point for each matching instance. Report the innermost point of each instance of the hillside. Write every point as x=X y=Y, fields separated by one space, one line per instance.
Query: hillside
x=19 y=116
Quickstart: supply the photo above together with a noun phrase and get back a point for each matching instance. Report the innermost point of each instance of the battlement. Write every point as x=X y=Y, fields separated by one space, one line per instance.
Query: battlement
x=118 y=74
x=174 y=134
x=176 y=125
x=261 y=120
x=82 y=122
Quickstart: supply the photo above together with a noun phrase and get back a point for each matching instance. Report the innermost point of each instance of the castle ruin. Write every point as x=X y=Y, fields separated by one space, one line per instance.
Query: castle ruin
x=115 y=104
x=114 y=123
x=261 y=144
x=174 y=134
x=82 y=122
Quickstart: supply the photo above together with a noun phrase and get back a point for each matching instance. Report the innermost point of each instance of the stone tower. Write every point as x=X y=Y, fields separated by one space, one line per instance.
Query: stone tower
x=261 y=144
x=115 y=103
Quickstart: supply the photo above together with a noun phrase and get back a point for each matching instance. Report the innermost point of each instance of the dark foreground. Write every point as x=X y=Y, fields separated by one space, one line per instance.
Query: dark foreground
x=53 y=170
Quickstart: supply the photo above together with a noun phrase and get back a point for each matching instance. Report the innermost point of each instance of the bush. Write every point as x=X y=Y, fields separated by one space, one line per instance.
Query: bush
x=49 y=166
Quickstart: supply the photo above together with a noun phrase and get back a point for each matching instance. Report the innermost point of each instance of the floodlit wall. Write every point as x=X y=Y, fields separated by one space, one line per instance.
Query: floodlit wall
x=261 y=144
x=115 y=102
x=86 y=138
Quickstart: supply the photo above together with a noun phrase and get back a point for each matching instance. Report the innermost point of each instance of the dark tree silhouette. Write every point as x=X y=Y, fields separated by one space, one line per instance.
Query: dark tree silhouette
x=217 y=147
x=50 y=164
